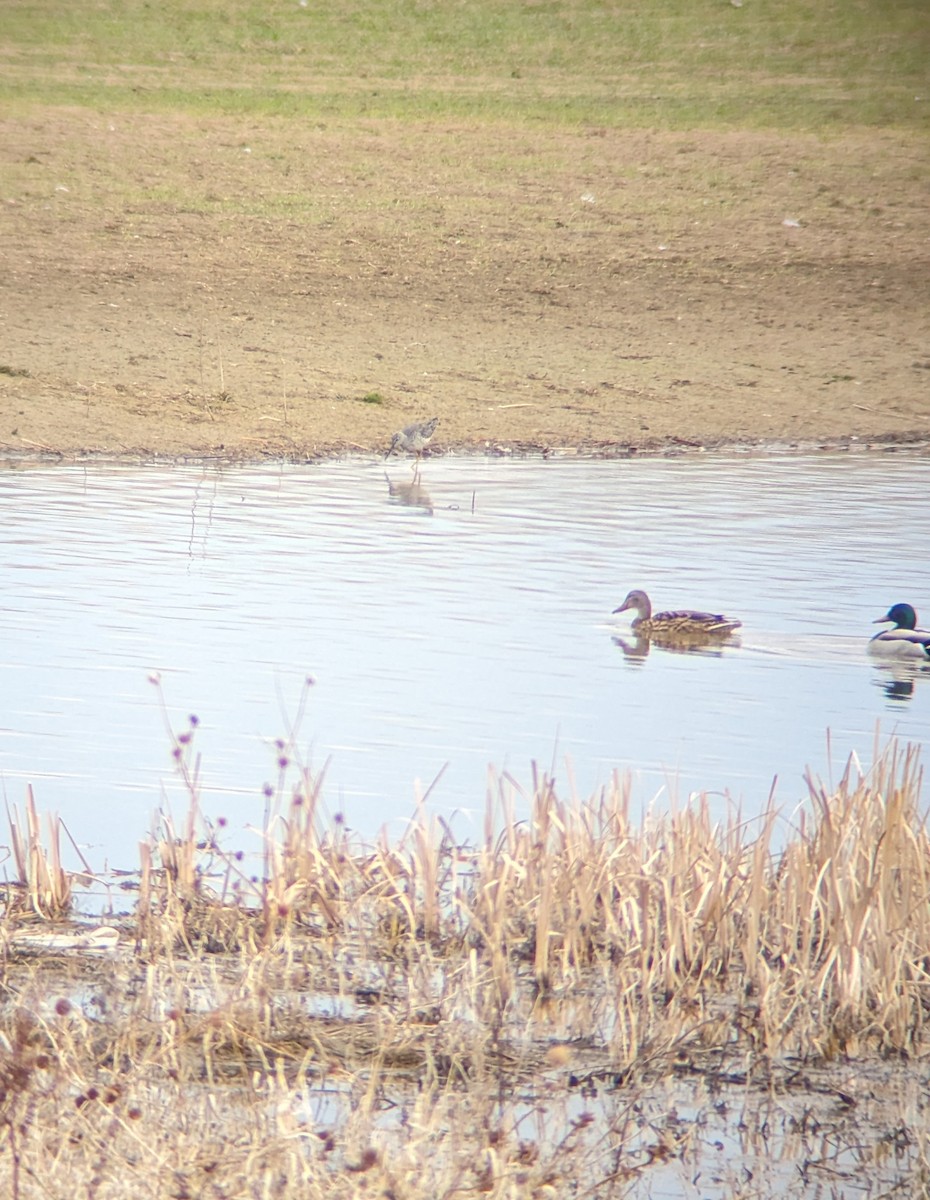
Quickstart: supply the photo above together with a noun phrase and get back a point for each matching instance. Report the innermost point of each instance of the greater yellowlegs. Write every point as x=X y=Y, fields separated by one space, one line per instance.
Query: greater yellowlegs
x=414 y=439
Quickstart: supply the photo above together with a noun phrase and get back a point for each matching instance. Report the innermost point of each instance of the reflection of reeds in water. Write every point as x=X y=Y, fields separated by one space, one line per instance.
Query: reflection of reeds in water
x=390 y=1012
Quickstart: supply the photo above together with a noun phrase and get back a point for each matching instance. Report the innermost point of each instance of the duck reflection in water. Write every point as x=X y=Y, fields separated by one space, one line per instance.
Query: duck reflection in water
x=636 y=649
x=411 y=494
x=897 y=679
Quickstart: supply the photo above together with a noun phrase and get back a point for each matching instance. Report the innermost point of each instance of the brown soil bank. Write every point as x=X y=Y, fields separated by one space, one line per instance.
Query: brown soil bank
x=218 y=286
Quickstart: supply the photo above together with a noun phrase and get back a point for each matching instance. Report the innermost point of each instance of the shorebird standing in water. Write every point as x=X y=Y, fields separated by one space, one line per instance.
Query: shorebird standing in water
x=414 y=438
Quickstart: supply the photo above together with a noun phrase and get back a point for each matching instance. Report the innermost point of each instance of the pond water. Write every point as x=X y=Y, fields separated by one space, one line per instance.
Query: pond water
x=452 y=622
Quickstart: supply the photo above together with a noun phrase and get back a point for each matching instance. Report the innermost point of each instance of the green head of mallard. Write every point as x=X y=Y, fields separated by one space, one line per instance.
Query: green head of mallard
x=902 y=616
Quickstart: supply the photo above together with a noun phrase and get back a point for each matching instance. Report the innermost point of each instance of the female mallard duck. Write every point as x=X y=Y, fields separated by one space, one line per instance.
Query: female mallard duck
x=905 y=640
x=682 y=623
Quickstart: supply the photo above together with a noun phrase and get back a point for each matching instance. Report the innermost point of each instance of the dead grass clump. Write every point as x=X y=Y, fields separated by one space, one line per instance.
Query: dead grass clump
x=848 y=921
x=42 y=886
x=678 y=931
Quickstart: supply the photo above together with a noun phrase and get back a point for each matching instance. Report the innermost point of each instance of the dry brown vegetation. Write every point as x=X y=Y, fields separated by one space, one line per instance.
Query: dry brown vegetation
x=521 y=1017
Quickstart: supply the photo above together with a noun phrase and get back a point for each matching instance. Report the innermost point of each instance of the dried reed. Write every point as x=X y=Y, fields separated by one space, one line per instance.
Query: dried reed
x=42 y=884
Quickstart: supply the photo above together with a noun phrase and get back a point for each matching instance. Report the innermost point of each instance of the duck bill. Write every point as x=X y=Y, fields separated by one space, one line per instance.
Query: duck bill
x=882 y=620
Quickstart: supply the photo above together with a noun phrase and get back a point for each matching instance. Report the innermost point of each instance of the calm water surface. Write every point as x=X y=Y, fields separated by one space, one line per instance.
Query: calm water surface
x=450 y=625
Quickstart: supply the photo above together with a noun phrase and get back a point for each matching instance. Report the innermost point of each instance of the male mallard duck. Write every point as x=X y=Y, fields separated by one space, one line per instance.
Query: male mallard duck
x=683 y=623
x=905 y=640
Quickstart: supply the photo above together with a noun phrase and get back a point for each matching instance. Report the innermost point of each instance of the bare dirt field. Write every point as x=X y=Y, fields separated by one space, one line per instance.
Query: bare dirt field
x=183 y=286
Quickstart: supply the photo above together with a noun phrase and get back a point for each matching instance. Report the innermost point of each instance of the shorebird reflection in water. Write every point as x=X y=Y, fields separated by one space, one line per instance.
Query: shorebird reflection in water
x=411 y=494
x=682 y=624
x=414 y=439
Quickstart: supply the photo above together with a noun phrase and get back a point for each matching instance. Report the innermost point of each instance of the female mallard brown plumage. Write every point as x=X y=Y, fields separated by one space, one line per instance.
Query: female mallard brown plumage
x=683 y=623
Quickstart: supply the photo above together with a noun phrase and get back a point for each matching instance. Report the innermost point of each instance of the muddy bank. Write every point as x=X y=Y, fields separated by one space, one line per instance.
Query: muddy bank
x=246 y=292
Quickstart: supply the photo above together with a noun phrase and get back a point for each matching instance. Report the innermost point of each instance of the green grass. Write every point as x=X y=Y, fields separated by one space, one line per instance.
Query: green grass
x=675 y=64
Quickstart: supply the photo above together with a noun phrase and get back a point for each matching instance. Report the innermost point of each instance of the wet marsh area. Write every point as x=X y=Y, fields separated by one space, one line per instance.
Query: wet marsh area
x=575 y=1006
x=294 y=987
